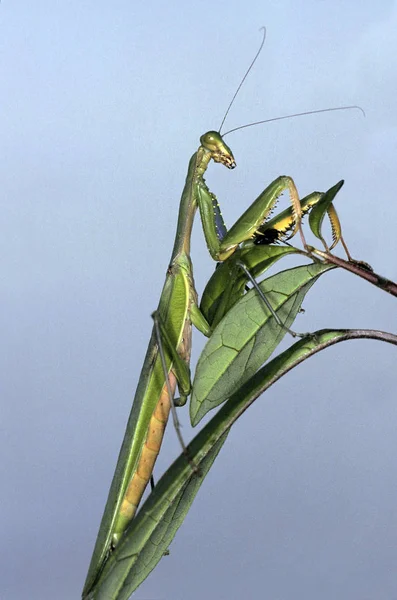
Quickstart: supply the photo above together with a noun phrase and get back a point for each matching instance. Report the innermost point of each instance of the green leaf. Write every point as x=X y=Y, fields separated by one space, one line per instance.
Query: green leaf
x=227 y=283
x=147 y=538
x=317 y=213
x=247 y=336
x=164 y=510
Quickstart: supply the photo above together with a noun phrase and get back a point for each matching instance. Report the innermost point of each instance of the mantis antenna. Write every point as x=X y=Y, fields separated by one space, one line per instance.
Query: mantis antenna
x=291 y=116
x=244 y=78
x=302 y=114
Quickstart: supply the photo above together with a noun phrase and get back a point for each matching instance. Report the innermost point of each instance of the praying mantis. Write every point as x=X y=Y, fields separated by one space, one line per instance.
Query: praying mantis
x=166 y=364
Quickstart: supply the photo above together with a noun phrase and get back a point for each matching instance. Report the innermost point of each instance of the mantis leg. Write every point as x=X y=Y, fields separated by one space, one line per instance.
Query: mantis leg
x=180 y=368
x=281 y=227
x=267 y=302
x=222 y=243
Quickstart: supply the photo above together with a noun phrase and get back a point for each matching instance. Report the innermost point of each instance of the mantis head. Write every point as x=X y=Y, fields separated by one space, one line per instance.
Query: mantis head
x=220 y=152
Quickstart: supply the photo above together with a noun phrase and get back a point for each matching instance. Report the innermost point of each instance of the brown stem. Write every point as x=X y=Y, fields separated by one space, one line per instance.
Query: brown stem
x=374 y=278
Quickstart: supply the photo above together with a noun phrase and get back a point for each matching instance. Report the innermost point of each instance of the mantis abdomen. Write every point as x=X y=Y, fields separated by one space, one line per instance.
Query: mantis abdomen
x=150 y=451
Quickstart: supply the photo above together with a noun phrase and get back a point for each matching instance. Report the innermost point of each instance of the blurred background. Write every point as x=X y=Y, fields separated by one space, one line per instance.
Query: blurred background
x=102 y=105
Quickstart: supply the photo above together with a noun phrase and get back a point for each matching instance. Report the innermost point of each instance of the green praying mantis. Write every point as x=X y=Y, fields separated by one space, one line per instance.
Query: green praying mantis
x=241 y=252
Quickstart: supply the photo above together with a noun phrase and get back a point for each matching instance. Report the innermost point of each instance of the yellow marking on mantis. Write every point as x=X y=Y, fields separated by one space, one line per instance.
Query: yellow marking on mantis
x=150 y=451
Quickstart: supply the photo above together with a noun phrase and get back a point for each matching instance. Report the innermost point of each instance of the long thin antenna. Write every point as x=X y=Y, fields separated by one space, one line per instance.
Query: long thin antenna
x=309 y=112
x=244 y=78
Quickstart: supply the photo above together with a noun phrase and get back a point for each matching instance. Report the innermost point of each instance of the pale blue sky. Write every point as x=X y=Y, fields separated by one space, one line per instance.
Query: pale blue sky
x=102 y=105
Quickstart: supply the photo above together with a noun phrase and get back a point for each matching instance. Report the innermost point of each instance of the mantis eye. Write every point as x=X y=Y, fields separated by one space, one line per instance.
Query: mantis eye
x=211 y=140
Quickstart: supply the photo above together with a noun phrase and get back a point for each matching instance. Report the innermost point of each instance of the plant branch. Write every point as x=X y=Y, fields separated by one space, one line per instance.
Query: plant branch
x=354 y=267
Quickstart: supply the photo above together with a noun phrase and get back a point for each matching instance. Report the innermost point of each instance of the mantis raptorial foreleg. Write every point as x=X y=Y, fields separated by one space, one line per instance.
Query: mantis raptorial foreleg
x=247 y=226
